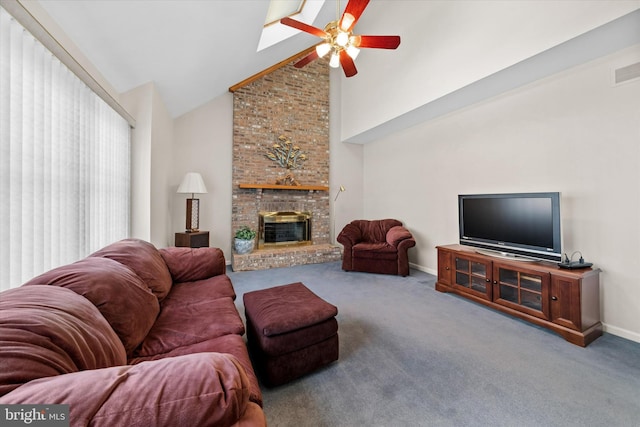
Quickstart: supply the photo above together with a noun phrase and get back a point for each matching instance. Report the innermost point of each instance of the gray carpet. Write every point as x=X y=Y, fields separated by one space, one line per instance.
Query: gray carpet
x=412 y=356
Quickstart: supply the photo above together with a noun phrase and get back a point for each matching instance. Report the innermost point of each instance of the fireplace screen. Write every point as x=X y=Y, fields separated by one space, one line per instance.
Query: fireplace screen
x=284 y=229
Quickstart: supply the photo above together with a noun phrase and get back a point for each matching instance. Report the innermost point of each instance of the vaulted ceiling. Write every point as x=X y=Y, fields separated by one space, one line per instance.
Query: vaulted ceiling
x=192 y=50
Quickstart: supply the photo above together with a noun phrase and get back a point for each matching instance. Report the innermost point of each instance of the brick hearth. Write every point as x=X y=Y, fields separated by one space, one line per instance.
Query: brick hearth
x=285 y=257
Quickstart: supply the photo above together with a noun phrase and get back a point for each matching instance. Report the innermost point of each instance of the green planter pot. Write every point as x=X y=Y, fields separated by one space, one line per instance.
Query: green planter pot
x=244 y=246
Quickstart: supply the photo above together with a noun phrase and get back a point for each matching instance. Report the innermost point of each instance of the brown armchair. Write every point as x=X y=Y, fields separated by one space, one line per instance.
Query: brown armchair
x=376 y=246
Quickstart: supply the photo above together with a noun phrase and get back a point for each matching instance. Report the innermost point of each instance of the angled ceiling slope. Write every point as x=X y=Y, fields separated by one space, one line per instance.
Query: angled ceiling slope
x=621 y=33
x=192 y=50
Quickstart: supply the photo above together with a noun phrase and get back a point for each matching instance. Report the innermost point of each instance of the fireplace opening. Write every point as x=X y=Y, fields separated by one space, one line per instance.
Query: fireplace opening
x=285 y=228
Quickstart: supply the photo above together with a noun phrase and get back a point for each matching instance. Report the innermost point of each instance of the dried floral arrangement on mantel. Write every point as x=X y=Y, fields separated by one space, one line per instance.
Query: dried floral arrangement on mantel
x=288 y=156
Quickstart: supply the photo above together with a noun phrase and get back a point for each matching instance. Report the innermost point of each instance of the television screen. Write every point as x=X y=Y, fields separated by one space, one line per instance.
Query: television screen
x=525 y=224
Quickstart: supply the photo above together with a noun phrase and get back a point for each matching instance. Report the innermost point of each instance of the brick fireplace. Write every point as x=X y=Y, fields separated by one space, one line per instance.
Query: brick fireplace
x=291 y=103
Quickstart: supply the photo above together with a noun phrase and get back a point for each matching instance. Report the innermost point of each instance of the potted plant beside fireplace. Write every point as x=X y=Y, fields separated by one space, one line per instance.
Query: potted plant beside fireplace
x=245 y=240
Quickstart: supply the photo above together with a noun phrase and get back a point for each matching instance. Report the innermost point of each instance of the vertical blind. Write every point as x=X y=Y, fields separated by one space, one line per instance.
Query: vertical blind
x=64 y=162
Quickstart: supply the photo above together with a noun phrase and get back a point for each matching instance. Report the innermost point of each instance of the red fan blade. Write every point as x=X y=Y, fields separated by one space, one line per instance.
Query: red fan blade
x=354 y=9
x=303 y=27
x=377 y=42
x=347 y=64
x=307 y=59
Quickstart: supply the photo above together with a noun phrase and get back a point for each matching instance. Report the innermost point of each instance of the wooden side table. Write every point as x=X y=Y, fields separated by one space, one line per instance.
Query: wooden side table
x=196 y=239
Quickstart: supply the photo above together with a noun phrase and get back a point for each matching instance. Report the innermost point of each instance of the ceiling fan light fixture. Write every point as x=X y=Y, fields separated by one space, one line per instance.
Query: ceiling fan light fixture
x=335 y=60
x=323 y=49
x=352 y=51
x=342 y=39
x=338 y=38
x=346 y=21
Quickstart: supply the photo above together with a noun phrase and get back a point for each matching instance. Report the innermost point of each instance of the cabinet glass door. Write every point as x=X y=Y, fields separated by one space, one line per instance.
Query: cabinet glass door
x=474 y=276
x=525 y=291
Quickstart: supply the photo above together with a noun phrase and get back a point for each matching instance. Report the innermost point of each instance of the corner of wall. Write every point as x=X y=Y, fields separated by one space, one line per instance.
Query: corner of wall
x=151 y=152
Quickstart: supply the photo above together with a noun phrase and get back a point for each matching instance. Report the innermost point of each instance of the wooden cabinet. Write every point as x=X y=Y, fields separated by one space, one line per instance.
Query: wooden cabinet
x=564 y=301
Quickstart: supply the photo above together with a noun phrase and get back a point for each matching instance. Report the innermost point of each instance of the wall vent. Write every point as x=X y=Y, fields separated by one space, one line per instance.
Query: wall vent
x=627 y=73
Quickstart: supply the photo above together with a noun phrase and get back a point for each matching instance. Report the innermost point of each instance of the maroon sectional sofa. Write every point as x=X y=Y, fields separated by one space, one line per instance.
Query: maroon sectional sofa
x=131 y=336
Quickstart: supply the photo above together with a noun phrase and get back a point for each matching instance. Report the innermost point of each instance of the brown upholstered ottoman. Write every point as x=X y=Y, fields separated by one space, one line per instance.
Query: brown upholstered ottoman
x=290 y=332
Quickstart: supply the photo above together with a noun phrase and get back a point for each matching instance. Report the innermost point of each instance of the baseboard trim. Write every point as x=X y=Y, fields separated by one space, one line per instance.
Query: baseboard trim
x=424 y=269
x=621 y=332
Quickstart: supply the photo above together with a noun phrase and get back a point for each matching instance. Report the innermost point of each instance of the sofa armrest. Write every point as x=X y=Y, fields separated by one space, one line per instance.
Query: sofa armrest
x=197 y=389
x=403 y=254
x=349 y=236
x=397 y=234
x=190 y=264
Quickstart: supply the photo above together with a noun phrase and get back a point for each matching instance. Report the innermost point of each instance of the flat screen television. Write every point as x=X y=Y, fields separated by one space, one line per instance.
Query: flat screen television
x=523 y=225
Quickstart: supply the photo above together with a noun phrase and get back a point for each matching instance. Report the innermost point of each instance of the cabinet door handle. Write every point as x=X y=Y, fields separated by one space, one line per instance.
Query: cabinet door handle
x=495 y=282
x=554 y=298
x=447 y=268
x=488 y=280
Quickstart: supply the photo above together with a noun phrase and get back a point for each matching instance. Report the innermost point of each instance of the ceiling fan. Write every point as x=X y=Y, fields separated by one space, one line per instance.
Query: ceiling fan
x=339 y=39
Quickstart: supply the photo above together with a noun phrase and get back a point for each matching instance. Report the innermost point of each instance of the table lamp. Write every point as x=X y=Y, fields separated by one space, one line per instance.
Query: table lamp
x=192 y=183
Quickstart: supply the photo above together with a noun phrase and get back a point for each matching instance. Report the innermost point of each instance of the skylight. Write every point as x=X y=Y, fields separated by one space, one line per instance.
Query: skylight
x=274 y=32
x=279 y=9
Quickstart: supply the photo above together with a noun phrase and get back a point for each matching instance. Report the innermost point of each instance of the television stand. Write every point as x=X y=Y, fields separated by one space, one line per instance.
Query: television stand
x=561 y=300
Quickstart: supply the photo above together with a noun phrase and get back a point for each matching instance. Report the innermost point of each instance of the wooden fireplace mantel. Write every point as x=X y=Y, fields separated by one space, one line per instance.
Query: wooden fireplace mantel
x=285 y=187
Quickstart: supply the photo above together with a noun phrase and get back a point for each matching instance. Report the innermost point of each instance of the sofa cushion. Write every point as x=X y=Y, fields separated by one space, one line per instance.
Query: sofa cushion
x=231 y=344
x=191 y=264
x=380 y=251
x=204 y=389
x=120 y=295
x=47 y=331
x=207 y=289
x=184 y=323
x=144 y=259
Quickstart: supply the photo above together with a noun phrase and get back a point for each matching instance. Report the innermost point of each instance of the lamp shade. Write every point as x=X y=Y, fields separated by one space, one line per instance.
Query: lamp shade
x=192 y=183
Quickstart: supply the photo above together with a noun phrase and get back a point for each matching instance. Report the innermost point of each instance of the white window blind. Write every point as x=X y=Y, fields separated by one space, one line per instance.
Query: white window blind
x=64 y=162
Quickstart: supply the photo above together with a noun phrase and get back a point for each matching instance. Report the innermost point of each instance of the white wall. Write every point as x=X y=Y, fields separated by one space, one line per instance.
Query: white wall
x=161 y=166
x=151 y=152
x=138 y=102
x=346 y=166
x=203 y=142
x=574 y=132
